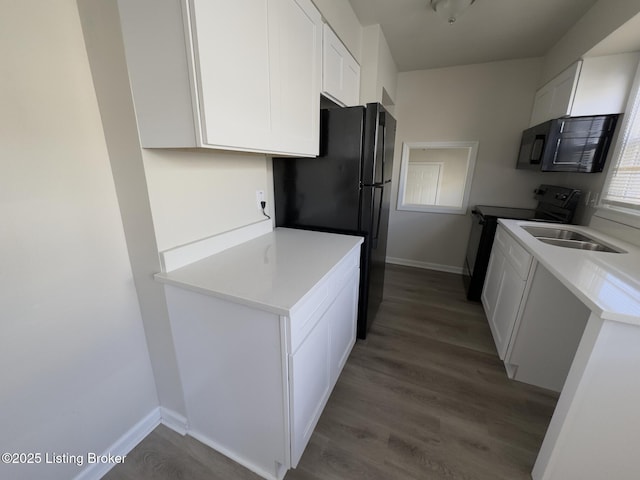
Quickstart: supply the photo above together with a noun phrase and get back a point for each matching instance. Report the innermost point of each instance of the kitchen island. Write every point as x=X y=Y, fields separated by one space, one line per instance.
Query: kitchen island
x=261 y=332
x=595 y=429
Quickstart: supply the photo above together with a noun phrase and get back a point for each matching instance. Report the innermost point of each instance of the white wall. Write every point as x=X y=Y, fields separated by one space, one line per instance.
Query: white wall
x=597 y=24
x=195 y=194
x=168 y=197
x=75 y=368
x=101 y=28
x=489 y=103
x=379 y=72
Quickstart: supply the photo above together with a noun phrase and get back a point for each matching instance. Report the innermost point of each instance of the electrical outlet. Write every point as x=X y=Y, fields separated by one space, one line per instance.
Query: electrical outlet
x=586 y=198
x=594 y=198
x=259 y=198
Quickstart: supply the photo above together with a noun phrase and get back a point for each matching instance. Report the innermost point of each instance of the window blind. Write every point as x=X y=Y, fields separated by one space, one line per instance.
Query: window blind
x=623 y=187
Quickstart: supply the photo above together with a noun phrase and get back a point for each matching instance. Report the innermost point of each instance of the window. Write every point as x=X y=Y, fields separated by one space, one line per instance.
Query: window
x=622 y=188
x=436 y=176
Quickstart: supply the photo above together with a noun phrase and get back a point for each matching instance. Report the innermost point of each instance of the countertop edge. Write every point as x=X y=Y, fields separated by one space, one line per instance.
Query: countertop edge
x=282 y=310
x=521 y=236
x=278 y=310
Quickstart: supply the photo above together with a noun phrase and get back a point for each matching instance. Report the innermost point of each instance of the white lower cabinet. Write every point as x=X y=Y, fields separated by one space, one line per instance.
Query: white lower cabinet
x=547 y=332
x=535 y=321
x=310 y=376
x=255 y=382
x=504 y=287
x=315 y=366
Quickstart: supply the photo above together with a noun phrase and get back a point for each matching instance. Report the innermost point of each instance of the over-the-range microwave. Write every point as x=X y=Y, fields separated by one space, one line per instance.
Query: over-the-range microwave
x=574 y=144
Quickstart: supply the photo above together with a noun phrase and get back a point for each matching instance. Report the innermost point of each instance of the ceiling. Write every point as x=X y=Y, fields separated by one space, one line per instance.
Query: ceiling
x=489 y=30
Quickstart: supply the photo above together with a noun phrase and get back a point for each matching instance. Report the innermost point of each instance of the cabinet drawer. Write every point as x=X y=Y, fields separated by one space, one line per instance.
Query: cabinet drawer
x=309 y=310
x=515 y=253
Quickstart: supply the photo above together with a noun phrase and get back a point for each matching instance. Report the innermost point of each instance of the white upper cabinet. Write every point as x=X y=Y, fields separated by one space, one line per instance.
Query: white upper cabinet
x=340 y=71
x=241 y=75
x=592 y=86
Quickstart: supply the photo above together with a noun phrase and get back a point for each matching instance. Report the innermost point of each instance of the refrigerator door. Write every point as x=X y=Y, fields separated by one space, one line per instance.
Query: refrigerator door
x=377 y=167
x=323 y=193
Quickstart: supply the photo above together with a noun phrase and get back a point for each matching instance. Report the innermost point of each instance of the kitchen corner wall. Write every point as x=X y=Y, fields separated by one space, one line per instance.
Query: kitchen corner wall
x=605 y=17
x=167 y=197
x=489 y=103
x=76 y=374
x=379 y=72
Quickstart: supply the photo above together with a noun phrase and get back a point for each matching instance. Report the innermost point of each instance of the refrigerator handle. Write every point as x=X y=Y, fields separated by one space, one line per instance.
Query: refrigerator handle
x=375 y=238
x=383 y=127
x=376 y=185
x=382 y=130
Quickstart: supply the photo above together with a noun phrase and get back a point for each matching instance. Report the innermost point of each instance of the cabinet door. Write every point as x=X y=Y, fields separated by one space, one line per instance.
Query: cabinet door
x=297 y=77
x=545 y=342
x=310 y=386
x=564 y=89
x=604 y=84
x=492 y=280
x=542 y=105
x=343 y=314
x=233 y=75
x=340 y=72
x=315 y=366
x=511 y=288
x=554 y=100
x=232 y=44
x=501 y=299
x=351 y=82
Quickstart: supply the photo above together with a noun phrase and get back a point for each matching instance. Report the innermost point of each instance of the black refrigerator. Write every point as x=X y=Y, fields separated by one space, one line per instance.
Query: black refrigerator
x=346 y=189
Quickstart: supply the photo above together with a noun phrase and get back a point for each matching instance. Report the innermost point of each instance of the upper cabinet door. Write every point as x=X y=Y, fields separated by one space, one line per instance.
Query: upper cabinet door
x=340 y=72
x=235 y=75
x=298 y=77
x=564 y=90
x=555 y=99
x=592 y=86
x=232 y=67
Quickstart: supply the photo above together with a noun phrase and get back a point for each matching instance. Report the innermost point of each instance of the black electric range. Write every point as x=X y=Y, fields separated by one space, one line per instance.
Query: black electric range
x=555 y=204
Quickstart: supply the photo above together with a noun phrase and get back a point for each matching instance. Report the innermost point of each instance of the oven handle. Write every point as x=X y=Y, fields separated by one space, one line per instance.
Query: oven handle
x=475 y=212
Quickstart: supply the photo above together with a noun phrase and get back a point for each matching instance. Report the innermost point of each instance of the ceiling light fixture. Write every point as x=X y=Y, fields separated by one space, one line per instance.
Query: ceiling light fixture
x=450 y=10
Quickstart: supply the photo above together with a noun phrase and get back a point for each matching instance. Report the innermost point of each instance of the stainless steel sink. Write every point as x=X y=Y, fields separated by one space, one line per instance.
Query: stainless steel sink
x=563 y=237
x=547 y=232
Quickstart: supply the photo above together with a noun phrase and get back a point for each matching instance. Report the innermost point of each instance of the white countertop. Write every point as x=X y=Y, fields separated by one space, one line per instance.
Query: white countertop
x=607 y=283
x=272 y=272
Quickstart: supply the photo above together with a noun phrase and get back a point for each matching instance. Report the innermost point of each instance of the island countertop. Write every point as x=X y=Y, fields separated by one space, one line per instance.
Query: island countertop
x=272 y=272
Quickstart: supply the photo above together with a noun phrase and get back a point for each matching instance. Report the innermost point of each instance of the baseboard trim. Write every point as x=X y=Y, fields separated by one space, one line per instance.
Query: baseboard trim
x=176 y=422
x=173 y=420
x=122 y=446
x=229 y=454
x=425 y=265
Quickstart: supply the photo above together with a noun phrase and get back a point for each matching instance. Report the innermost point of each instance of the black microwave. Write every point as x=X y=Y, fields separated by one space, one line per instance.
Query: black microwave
x=574 y=144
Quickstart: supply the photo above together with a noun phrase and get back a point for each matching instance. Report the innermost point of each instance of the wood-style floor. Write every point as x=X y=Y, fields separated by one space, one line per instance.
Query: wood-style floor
x=425 y=397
